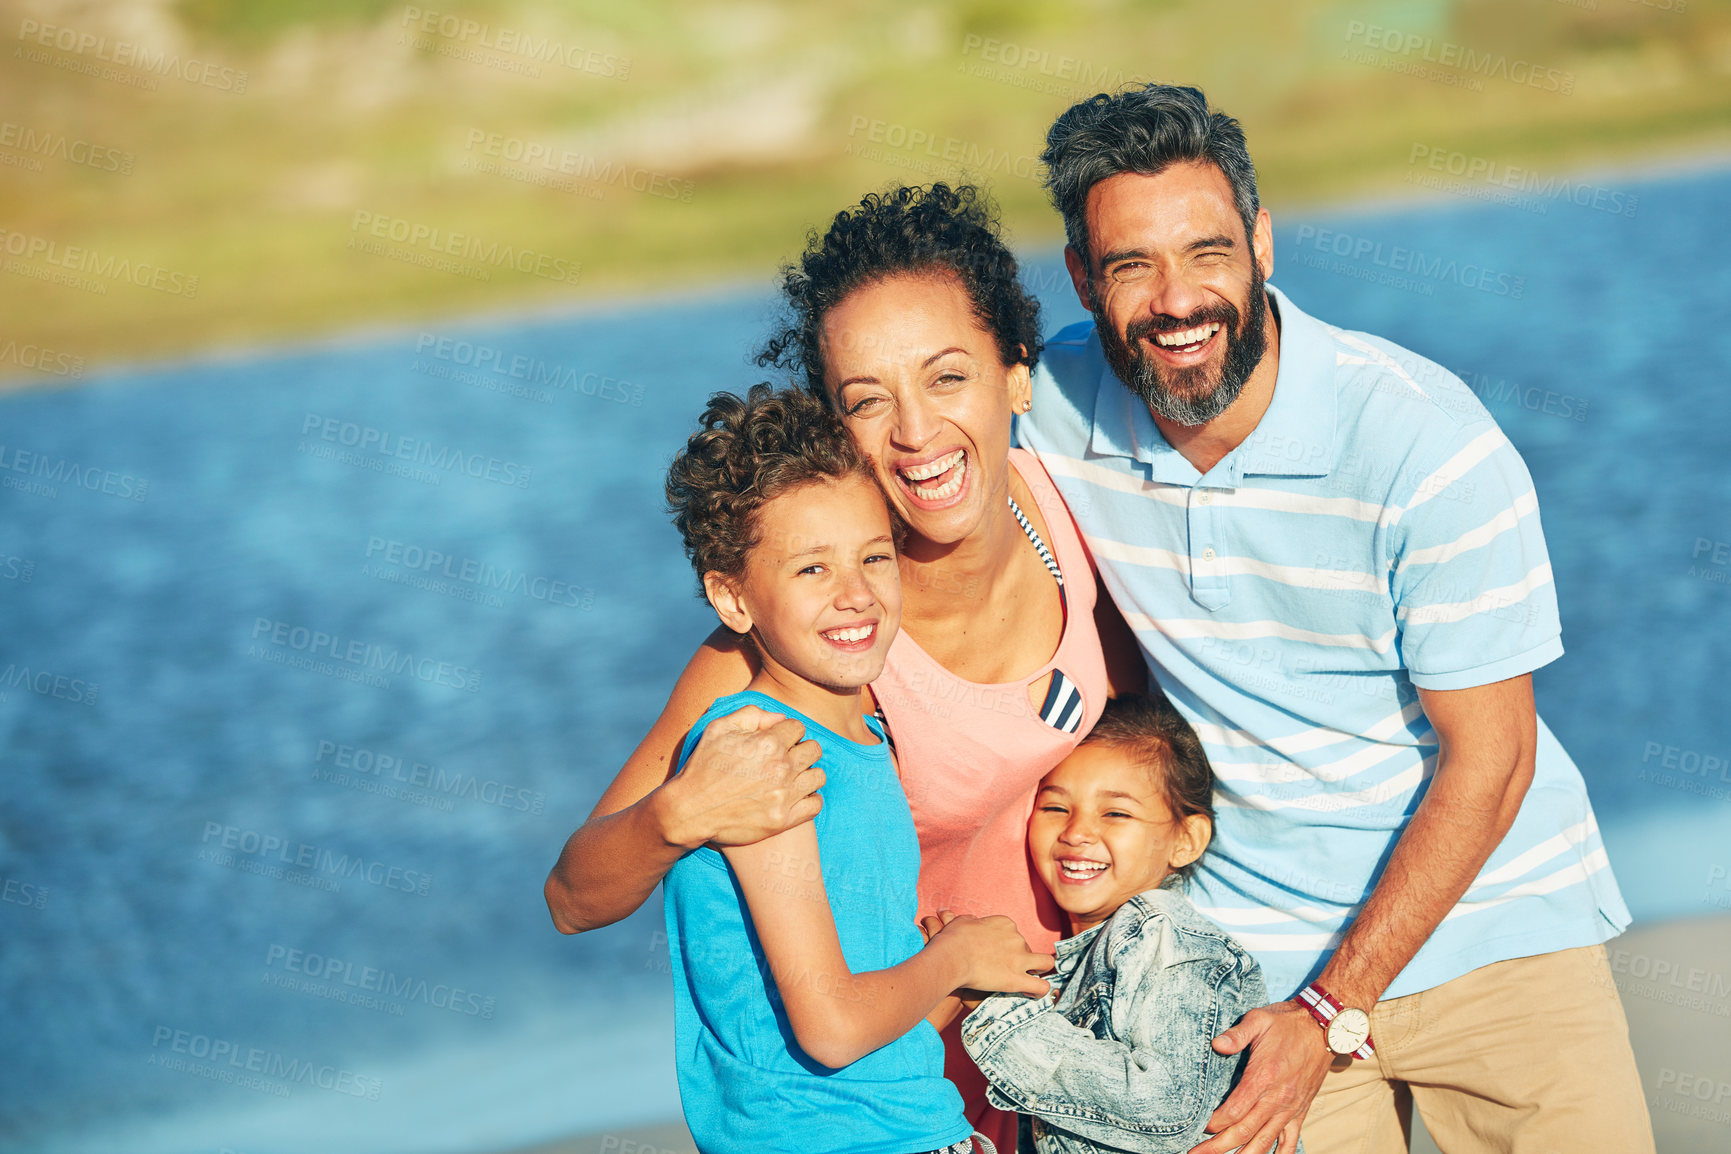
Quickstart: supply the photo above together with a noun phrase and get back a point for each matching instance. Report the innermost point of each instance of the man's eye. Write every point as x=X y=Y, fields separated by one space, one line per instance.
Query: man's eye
x=1131 y=271
x=811 y=569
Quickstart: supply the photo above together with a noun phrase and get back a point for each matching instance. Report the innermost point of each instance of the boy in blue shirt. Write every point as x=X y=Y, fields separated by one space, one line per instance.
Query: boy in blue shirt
x=1123 y=1058
x=802 y=981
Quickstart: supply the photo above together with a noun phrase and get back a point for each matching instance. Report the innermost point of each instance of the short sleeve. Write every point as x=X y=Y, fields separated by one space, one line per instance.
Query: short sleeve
x=1474 y=598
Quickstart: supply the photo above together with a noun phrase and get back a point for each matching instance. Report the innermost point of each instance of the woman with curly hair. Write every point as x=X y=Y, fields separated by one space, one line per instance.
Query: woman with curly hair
x=906 y=316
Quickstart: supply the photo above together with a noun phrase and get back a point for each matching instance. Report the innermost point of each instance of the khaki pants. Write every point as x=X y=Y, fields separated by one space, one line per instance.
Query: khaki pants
x=1527 y=1056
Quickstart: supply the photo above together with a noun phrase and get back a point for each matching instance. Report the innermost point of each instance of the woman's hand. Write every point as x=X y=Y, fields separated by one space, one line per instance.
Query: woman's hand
x=616 y=858
x=751 y=776
x=995 y=956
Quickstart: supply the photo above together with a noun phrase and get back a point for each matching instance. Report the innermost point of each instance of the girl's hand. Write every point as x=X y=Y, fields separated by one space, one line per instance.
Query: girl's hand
x=995 y=956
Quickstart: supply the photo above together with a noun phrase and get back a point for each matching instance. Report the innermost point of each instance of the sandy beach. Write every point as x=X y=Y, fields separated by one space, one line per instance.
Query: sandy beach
x=1675 y=979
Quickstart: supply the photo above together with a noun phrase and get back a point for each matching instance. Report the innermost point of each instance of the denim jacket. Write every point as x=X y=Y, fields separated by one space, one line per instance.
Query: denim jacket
x=1122 y=1060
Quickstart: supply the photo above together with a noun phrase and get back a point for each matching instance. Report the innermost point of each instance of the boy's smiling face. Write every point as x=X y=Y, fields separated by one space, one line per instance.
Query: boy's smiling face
x=1101 y=833
x=821 y=592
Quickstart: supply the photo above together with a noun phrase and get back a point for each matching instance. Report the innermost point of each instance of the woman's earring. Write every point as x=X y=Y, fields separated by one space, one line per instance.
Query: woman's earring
x=1026 y=405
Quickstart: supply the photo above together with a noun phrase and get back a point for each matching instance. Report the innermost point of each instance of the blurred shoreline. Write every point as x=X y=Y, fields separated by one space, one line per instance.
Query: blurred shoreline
x=1683 y=163
x=334 y=162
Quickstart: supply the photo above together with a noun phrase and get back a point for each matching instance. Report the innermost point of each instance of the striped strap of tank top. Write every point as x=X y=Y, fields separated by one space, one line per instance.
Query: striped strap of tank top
x=1039 y=545
x=1062 y=709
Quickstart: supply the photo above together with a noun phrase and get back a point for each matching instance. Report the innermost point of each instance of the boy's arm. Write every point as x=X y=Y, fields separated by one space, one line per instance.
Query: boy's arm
x=838 y=1016
x=960 y=1003
x=1152 y=1091
x=946 y=1012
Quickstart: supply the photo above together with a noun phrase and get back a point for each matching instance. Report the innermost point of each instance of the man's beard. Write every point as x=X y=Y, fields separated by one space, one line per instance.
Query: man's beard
x=1190 y=396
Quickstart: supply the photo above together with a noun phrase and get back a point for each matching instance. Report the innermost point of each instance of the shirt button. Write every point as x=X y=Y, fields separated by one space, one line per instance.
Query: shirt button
x=1208 y=553
x=1205 y=498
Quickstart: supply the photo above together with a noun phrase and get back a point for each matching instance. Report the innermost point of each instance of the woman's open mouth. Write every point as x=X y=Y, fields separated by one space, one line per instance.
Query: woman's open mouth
x=1187 y=346
x=1080 y=871
x=936 y=481
x=852 y=638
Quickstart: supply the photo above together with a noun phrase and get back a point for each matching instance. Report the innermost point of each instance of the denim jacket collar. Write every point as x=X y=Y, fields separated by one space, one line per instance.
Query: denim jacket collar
x=1068 y=951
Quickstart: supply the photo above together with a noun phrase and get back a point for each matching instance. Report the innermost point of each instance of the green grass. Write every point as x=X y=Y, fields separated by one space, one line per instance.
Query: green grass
x=757 y=105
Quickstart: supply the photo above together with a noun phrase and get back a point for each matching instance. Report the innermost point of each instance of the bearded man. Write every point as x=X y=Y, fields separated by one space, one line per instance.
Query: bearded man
x=1332 y=559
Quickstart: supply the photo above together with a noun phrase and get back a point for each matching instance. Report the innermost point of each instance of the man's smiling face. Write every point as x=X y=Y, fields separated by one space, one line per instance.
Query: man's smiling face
x=1176 y=287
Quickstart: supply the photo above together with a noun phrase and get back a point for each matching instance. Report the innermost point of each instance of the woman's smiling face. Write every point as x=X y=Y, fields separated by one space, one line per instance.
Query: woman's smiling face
x=919 y=383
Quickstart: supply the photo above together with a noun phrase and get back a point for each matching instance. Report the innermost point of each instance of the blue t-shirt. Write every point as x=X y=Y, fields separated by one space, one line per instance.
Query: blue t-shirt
x=743 y=1080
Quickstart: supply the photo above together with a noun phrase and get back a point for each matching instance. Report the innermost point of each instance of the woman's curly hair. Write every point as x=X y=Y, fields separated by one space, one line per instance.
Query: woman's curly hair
x=748 y=451
x=905 y=230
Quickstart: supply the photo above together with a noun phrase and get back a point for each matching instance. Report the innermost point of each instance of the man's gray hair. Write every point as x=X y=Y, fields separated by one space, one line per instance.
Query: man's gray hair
x=1143 y=130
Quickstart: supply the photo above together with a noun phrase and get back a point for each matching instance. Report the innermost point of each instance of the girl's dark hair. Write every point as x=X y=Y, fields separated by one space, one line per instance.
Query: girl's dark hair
x=748 y=451
x=1152 y=732
x=906 y=230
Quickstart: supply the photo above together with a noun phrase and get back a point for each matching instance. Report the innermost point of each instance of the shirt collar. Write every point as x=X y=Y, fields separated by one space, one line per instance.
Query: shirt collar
x=1295 y=437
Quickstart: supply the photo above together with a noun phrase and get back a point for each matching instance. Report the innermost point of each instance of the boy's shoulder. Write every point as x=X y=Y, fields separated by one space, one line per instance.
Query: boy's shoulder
x=721 y=707
x=836 y=754
x=733 y=702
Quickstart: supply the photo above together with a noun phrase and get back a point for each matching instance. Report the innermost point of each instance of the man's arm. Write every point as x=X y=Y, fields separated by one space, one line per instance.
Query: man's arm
x=1488 y=738
x=750 y=776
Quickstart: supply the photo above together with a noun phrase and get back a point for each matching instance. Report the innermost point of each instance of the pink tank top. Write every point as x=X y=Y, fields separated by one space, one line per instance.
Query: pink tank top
x=971 y=755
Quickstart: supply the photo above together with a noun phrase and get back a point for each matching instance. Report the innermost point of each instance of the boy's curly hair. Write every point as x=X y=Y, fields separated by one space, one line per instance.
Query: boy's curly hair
x=1152 y=733
x=905 y=230
x=748 y=451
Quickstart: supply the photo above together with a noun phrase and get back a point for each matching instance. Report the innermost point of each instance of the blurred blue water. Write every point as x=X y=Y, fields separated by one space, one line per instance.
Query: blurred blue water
x=1605 y=362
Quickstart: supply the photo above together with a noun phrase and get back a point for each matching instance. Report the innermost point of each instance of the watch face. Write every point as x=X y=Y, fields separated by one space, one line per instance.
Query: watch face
x=1348 y=1030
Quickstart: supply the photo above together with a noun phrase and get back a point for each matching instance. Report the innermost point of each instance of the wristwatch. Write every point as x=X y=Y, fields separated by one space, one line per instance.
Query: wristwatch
x=1345 y=1028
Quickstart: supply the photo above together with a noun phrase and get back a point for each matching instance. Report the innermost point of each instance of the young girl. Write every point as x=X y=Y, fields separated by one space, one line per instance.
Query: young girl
x=1123 y=1059
x=802 y=981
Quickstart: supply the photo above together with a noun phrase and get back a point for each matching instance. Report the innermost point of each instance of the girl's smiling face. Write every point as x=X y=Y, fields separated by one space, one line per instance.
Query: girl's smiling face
x=921 y=387
x=1102 y=832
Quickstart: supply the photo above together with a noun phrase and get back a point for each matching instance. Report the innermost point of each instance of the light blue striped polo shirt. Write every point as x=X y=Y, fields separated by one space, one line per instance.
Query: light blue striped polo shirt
x=1376 y=533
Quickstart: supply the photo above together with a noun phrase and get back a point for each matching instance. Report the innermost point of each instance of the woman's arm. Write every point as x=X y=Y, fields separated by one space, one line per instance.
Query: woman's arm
x=750 y=776
x=838 y=1016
